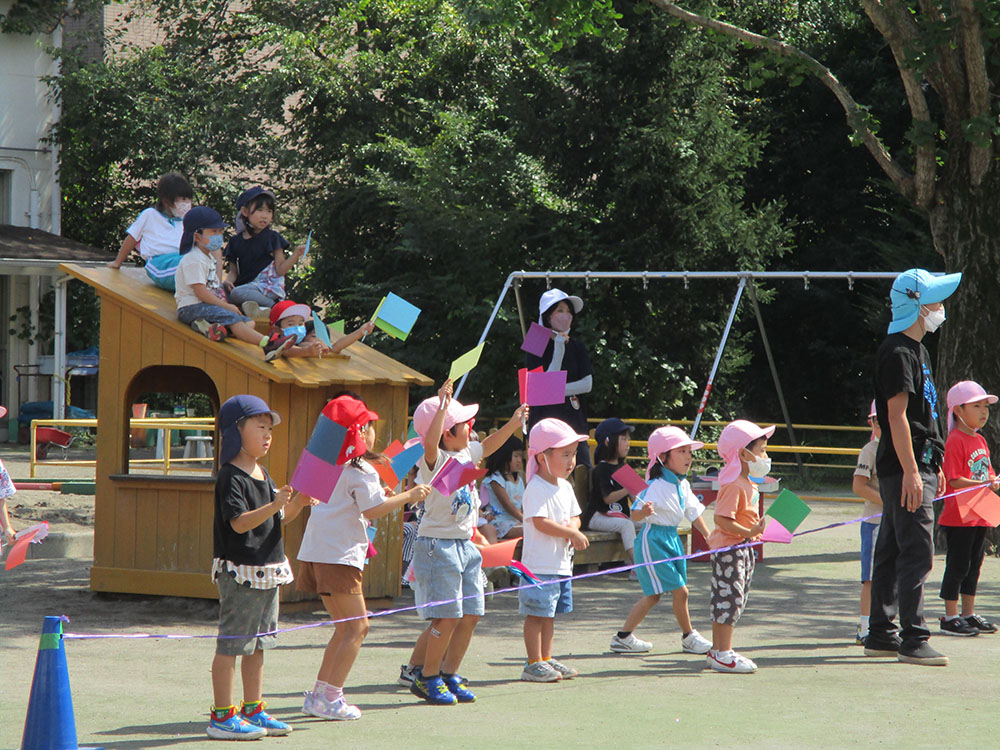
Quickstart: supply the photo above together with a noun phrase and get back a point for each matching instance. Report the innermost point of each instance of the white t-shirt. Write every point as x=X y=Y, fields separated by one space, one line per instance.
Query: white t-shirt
x=541 y=553
x=866 y=468
x=450 y=516
x=196 y=267
x=335 y=532
x=155 y=234
x=667 y=509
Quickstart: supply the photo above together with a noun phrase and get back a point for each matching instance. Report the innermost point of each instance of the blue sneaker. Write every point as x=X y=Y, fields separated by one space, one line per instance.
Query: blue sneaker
x=258 y=717
x=432 y=690
x=459 y=687
x=229 y=725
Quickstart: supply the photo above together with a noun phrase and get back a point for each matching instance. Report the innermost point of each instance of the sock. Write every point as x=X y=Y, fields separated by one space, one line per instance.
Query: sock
x=950 y=618
x=623 y=634
x=863 y=624
x=263 y=342
x=535 y=661
x=249 y=708
x=320 y=687
x=333 y=693
x=222 y=712
x=685 y=635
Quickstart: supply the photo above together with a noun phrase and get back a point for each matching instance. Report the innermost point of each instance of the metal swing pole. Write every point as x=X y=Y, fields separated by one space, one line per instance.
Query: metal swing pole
x=718 y=355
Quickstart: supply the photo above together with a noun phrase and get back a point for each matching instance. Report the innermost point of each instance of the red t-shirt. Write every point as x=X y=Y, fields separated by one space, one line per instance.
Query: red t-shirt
x=965 y=457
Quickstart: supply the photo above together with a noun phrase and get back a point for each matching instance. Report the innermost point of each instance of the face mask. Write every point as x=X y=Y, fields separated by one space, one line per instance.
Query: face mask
x=180 y=208
x=561 y=321
x=214 y=243
x=759 y=467
x=299 y=332
x=933 y=320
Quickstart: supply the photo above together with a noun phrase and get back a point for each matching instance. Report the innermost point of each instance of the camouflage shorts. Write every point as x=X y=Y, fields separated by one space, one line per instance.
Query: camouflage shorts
x=732 y=571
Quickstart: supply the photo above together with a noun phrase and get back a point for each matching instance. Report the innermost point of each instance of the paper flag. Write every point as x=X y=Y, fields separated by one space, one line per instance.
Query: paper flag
x=536 y=339
x=370 y=531
x=986 y=505
x=407 y=459
x=788 y=510
x=627 y=478
x=499 y=555
x=322 y=333
x=775 y=532
x=327 y=439
x=396 y=316
x=19 y=550
x=446 y=479
x=517 y=568
x=393 y=449
x=401 y=461
x=522 y=383
x=338 y=327
x=469 y=475
x=309 y=240
x=542 y=388
x=411 y=432
x=466 y=362
x=315 y=477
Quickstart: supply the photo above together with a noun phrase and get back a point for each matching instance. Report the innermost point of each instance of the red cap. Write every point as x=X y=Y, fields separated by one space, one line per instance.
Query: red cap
x=286 y=307
x=351 y=413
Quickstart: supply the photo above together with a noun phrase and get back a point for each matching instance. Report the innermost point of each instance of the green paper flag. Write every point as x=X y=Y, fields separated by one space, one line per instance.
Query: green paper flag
x=466 y=362
x=789 y=510
x=337 y=327
x=411 y=433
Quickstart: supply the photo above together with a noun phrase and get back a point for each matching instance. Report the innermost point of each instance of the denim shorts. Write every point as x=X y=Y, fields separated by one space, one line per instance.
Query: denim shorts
x=447 y=570
x=546 y=599
x=212 y=313
x=868 y=533
x=244 y=611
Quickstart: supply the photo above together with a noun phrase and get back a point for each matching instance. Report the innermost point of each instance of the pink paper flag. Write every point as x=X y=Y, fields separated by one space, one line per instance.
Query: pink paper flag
x=536 y=339
x=775 y=532
x=19 y=550
x=627 y=478
x=315 y=477
x=498 y=555
x=545 y=388
x=965 y=503
x=446 y=479
x=522 y=383
x=986 y=505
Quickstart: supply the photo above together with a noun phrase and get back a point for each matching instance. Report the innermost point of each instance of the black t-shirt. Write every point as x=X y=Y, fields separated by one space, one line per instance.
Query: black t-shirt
x=902 y=365
x=602 y=485
x=576 y=363
x=236 y=492
x=253 y=255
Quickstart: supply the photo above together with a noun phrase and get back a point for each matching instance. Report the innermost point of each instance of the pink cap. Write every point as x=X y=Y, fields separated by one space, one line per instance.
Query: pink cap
x=548 y=433
x=456 y=414
x=3 y=411
x=871 y=410
x=665 y=439
x=966 y=392
x=736 y=436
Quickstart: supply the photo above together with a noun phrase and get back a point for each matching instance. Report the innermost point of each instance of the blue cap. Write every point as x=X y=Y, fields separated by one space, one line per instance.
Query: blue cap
x=198 y=218
x=230 y=414
x=609 y=427
x=914 y=288
x=245 y=197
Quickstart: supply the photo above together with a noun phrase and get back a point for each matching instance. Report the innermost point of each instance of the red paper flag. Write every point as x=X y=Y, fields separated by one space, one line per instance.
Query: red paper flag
x=498 y=555
x=19 y=550
x=627 y=478
x=986 y=505
x=965 y=501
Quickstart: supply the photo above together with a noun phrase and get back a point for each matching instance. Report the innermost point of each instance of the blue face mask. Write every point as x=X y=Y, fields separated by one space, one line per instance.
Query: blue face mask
x=299 y=332
x=214 y=243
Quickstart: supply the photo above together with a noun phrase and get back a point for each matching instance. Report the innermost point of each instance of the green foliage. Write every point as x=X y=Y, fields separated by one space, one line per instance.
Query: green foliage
x=34 y=16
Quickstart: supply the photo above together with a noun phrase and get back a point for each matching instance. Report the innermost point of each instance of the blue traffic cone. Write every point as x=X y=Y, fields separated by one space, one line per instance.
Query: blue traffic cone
x=50 y=724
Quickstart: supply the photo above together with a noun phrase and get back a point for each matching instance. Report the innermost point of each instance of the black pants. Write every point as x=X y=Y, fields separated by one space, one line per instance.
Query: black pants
x=966 y=545
x=904 y=554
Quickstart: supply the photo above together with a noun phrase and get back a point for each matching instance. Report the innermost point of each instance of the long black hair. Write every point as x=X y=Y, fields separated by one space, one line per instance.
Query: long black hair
x=499 y=460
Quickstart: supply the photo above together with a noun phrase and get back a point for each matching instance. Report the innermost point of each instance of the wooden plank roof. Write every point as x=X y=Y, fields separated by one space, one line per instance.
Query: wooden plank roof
x=357 y=364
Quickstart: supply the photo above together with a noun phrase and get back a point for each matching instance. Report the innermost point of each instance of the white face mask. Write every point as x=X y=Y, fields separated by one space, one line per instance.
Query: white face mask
x=933 y=319
x=180 y=208
x=759 y=467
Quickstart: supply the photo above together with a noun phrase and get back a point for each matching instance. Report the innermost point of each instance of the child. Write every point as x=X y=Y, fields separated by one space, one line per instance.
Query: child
x=333 y=554
x=157 y=231
x=505 y=488
x=249 y=565
x=552 y=525
x=256 y=255
x=200 y=303
x=609 y=505
x=865 y=486
x=966 y=464
x=668 y=501
x=743 y=447
x=7 y=532
x=446 y=563
x=289 y=319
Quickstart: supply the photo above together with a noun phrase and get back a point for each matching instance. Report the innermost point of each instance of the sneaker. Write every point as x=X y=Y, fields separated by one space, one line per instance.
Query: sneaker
x=318 y=705
x=567 y=673
x=258 y=717
x=459 y=687
x=406 y=673
x=211 y=331
x=540 y=671
x=693 y=643
x=730 y=661
x=882 y=645
x=923 y=654
x=633 y=575
x=432 y=690
x=981 y=624
x=958 y=626
x=232 y=727
x=859 y=640
x=253 y=310
x=629 y=644
x=276 y=345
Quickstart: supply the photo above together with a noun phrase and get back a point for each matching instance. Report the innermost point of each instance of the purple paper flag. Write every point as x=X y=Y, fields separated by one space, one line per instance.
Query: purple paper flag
x=545 y=388
x=775 y=532
x=446 y=481
x=315 y=477
x=536 y=340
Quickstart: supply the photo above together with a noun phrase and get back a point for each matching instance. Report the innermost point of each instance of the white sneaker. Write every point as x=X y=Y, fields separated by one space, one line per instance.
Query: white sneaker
x=693 y=643
x=629 y=644
x=540 y=671
x=730 y=661
x=338 y=710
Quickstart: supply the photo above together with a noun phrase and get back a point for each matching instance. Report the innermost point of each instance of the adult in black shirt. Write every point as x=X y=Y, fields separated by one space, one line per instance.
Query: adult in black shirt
x=909 y=468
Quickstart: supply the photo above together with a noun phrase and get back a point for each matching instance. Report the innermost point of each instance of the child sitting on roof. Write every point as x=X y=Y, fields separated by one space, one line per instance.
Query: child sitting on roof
x=289 y=319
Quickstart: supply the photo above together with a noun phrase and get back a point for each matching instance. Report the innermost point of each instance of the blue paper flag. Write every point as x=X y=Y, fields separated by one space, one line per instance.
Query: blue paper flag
x=398 y=313
x=404 y=461
x=327 y=439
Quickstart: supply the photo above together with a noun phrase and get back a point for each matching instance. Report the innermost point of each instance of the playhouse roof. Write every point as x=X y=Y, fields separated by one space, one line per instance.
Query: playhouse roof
x=357 y=364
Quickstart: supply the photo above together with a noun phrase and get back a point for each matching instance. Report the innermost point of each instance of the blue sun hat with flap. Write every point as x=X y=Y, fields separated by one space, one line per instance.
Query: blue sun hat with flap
x=231 y=414
x=914 y=288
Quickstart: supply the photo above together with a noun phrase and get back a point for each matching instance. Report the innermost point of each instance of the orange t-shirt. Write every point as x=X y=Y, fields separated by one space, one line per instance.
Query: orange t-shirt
x=737 y=500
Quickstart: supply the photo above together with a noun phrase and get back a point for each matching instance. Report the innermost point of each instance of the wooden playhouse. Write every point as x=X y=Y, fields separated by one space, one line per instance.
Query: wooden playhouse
x=153 y=534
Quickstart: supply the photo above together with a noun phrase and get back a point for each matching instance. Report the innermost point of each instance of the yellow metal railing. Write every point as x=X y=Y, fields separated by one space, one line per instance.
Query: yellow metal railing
x=166 y=424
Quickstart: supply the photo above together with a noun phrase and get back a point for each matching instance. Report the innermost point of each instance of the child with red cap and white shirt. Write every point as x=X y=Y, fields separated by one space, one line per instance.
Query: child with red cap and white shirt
x=289 y=319
x=666 y=503
x=551 y=528
x=966 y=464
x=743 y=447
